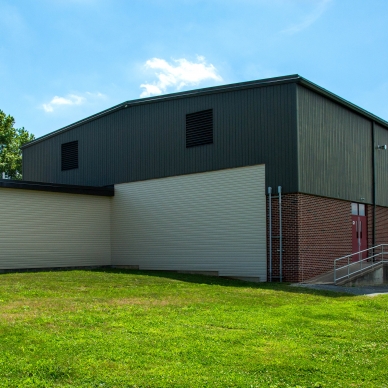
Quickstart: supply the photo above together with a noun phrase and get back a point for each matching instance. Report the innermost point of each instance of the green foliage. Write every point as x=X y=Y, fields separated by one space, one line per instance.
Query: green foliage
x=149 y=329
x=11 y=139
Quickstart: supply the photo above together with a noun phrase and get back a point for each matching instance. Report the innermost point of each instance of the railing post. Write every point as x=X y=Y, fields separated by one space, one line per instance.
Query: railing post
x=346 y=272
x=348 y=267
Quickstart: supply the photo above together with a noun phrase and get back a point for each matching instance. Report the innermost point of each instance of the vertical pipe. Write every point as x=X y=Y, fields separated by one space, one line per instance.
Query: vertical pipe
x=374 y=184
x=280 y=234
x=359 y=239
x=360 y=235
x=270 y=231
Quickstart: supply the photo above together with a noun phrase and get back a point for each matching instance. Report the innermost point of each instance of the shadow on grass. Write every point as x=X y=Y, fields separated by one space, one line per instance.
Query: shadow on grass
x=225 y=282
x=199 y=279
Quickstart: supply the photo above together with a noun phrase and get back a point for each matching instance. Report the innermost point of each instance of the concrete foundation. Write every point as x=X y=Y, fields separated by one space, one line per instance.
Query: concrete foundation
x=375 y=276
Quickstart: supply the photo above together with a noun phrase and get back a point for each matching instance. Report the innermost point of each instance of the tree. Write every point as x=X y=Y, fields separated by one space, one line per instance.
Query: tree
x=11 y=139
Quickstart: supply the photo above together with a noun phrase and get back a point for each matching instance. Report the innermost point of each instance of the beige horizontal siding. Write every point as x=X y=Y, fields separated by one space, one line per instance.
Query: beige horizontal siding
x=44 y=229
x=212 y=221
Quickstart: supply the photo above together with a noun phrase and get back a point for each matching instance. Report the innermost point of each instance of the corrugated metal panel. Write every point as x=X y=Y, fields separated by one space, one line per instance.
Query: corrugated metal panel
x=335 y=149
x=251 y=126
x=41 y=229
x=295 y=78
x=381 y=163
x=213 y=221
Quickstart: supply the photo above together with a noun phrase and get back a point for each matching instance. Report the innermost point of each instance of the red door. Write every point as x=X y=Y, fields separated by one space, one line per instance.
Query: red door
x=359 y=231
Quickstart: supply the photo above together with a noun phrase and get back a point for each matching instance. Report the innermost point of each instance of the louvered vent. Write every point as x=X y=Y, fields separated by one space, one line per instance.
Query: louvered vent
x=69 y=155
x=199 y=128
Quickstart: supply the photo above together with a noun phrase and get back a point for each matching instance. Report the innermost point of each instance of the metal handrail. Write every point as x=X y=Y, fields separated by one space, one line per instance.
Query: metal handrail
x=373 y=258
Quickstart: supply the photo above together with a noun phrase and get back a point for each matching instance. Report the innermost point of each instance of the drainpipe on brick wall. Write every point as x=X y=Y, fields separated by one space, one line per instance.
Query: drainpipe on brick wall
x=374 y=184
x=280 y=234
x=270 y=231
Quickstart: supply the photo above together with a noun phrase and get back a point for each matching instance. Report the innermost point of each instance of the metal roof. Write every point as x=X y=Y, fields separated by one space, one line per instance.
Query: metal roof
x=294 y=78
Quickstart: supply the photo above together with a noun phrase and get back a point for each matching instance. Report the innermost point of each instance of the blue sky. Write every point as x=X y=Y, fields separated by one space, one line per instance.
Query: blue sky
x=64 y=60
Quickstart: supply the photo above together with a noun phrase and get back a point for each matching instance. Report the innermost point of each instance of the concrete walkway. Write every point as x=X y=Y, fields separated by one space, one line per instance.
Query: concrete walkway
x=368 y=291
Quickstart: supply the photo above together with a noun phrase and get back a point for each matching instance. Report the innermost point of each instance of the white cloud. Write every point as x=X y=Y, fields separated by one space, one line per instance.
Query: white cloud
x=95 y=95
x=177 y=75
x=309 y=19
x=70 y=99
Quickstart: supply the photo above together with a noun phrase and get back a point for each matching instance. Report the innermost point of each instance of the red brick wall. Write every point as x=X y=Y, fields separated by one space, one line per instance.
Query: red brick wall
x=316 y=231
x=325 y=234
x=381 y=225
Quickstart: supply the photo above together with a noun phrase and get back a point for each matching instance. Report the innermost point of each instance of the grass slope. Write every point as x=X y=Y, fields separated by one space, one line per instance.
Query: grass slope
x=139 y=329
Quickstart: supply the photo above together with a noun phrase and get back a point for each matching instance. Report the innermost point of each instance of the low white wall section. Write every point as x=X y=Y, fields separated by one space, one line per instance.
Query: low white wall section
x=44 y=229
x=212 y=221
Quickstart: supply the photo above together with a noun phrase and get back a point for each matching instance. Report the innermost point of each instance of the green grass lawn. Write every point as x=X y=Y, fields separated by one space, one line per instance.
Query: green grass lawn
x=149 y=329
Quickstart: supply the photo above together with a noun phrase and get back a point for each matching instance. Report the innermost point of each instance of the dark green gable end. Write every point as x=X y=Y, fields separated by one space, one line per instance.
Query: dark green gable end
x=310 y=140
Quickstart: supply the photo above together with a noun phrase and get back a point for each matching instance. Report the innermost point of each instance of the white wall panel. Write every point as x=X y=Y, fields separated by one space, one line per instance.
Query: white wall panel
x=44 y=229
x=212 y=221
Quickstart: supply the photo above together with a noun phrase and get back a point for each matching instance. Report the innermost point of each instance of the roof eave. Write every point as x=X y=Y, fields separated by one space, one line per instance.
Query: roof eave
x=57 y=187
x=171 y=96
x=294 y=78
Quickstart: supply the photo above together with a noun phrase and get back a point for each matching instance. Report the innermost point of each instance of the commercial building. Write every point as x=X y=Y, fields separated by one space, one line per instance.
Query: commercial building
x=191 y=173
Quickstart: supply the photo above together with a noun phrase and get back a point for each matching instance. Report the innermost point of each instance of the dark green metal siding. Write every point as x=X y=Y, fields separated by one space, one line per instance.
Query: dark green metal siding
x=381 y=163
x=145 y=141
x=335 y=149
